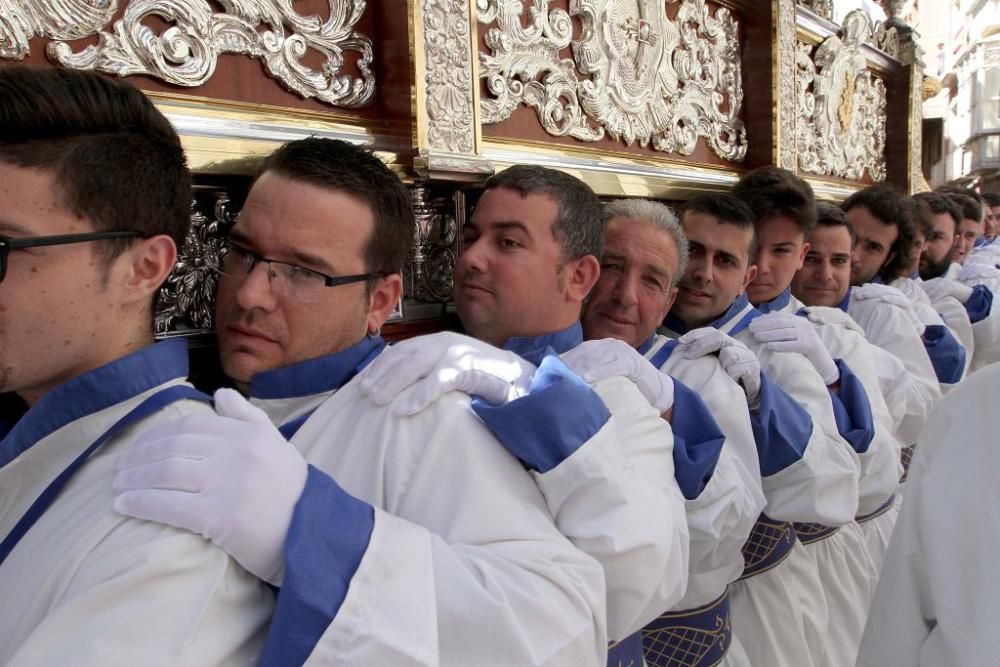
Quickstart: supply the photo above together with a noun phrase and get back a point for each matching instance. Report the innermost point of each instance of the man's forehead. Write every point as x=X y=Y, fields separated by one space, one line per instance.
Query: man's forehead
x=830 y=240
x=711 y=232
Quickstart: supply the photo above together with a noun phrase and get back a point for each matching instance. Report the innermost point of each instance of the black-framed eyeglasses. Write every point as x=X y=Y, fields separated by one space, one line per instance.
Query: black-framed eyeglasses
x=7 y=243
x=290 y=280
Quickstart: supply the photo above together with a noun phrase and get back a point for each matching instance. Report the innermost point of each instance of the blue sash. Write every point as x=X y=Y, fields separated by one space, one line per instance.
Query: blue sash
x=906 y=458
x=627 y=652
x=769 y=543
x=689 y=638
x=148 y=407
x=813 y=532
x=882 y=509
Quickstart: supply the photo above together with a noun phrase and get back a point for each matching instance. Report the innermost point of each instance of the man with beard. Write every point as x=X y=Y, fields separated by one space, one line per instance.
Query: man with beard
x=644 y=255
x=809 y=472
x=942 y=277
x=882 y=252
x=785 y=212
x=394 y=539
x=970 y=225
x=95 y=195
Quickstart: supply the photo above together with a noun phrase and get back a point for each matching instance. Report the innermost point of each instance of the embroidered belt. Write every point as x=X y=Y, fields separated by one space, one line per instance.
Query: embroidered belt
x=882 y=509
x=769 y=543
x=813 y=532
x=689 y=638
x=627 y=652
x=906 y=458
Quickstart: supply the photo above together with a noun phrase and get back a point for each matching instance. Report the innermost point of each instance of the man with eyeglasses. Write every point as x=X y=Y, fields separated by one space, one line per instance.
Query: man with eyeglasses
x=394 y=539
x=94 y=198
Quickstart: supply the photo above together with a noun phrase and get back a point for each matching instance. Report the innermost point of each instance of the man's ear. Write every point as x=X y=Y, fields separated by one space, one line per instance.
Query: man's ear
x=581 y=276
x=802 y=255
x=144 y=267
x=749 y=276
x=385 y=294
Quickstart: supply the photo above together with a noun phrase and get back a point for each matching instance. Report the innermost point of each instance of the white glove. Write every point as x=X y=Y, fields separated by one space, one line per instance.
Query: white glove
x=596 y=360
x=737 y=360
x=783 y=332
x=231 y=477
x=937 y=288
x=978 y=271
x=421 y=370
x=833 y=316
x=890 y=295
x=910 y=290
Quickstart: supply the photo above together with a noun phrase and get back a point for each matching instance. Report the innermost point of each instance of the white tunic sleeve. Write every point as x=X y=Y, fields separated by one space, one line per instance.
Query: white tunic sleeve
x=890 y=328
x=617 y=500
x=822 y=486
x=464 y=565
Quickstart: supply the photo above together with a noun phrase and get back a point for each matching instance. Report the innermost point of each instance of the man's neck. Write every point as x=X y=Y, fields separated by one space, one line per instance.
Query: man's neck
x=127 y=346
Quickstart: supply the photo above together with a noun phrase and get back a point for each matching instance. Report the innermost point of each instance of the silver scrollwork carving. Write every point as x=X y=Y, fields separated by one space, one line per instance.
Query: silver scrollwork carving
x=821 y=8
x=636 y=75
x=448 y=57
x=787 y=112
x=187 y=52
x=842 y=106
x=187 y=299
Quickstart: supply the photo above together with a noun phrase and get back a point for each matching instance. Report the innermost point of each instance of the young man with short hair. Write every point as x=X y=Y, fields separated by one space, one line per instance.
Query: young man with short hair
x=785 y=213
x=809 y=472
x=882 y=253
x=95 y=197
x=394 y=538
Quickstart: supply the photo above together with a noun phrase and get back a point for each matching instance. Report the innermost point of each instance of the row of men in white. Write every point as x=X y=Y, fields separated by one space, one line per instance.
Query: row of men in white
x=538 y=494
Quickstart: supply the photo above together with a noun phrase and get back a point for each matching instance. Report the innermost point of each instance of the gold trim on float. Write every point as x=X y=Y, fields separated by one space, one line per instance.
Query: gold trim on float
x=267 y=112
x=418 y=96
x=616 y=174
x=222 y=137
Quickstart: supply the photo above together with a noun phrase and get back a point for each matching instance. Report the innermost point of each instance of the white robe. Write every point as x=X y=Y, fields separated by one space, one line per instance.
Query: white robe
x=87 y=586
x=916 y=390
x=937 y=601
x=780 y=616
x=464 y=564
x=618 y=501
x=721 y=517
x=951 y=312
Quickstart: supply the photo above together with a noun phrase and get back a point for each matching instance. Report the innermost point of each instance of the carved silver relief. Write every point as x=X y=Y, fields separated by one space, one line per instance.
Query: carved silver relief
x=448 y=78
x=842 y=106
x=821 y=8
x=635 y=76
x=186 y=53
x=787 y=111
x=187 y=300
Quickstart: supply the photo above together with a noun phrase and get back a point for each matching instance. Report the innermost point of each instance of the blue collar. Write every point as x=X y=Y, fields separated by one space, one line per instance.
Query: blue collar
x=776 y=304
x=92 y=392
x=645 y=347
x=846 y=301
x=316 y=376
x=915 y=275
x=734 y=320
x=533 y=348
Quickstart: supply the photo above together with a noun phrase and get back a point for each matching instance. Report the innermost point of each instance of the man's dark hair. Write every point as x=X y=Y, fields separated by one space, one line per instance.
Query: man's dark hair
x=579 y=223
x=725 y=208
x=921 y=213
x=116 y=159
x=886 y=204
x=969 y=205
x=772 y=192
x=991 y=199
x=831 y=215
x=936 y=204
x=339 y=165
